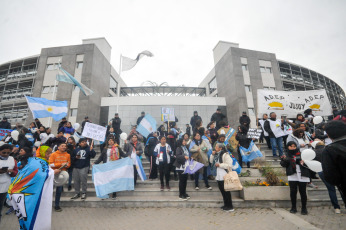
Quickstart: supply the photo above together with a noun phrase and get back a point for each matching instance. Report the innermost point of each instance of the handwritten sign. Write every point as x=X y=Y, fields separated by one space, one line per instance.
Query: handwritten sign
x=254 y=133
x=4 y=132
x=94 y=131
x=167 y=114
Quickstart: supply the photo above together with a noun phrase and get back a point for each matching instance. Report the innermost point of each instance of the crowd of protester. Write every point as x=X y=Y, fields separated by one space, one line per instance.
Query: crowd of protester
x=169 y=148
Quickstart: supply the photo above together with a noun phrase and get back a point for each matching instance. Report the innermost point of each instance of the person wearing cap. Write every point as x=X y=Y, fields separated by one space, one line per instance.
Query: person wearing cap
x=217 y=117
x=116 y=122
x=245 y=120
x=59 y=161
x=194 y=119
x=81 y=162
x=86 y=119
x=4 y=124
x=139 y=119
x=61 y=124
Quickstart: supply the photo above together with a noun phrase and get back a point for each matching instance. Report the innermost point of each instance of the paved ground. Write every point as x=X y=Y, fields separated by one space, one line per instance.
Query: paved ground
x=187 y=219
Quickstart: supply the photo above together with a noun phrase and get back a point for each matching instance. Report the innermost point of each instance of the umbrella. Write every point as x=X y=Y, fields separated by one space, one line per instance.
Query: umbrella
x=192 y=166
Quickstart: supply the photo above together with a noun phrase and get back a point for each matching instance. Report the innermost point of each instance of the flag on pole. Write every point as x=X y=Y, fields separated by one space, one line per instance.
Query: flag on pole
x=64 y=76
x=128 y=63
x=114 y=176
x=42 y=107
x=140 y=169
x=147 y=125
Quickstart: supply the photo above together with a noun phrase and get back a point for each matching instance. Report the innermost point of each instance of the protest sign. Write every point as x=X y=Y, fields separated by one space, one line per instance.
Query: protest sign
x=95 y=132
x=4 y=132
x=290 y=103
x=254 y=133
x=167 y=114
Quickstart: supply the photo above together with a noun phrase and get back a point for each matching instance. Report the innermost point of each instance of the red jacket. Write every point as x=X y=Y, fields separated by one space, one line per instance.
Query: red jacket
x=338 y=118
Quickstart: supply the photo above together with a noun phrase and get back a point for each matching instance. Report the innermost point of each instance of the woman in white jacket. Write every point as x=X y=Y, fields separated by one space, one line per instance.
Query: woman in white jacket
x=222 y=161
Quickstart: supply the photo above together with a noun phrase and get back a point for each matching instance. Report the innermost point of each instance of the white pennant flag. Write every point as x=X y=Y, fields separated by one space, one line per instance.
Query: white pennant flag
x=128 y=63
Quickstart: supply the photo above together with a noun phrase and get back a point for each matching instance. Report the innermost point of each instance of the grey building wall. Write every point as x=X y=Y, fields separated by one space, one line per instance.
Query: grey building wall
x=230 y=79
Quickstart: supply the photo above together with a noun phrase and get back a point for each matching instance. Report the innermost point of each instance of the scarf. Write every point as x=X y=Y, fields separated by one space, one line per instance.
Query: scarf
x=294 y=154
x=41 y=152
x=114 y=153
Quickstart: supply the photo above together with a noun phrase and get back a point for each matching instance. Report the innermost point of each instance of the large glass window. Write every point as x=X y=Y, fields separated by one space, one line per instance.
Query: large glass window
x=212 y=85
x=244 y=67
x=262 y=69
x=79 y=65
x=113 y=84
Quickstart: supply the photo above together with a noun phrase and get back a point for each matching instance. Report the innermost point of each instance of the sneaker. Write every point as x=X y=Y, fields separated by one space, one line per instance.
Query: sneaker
x=197 y=188
x=227 y=209
x=311 y=185
x=293 y=210
x=304 y=211
x=187 y=196
x=209 y=187
x=337 y=211
x=84 y=196
x=168 y=188
x=76 y=196
x=69 y=188
x=222 y=207
x=58 y=209
x=162 y=188
x=182 y=197
x=211 y=177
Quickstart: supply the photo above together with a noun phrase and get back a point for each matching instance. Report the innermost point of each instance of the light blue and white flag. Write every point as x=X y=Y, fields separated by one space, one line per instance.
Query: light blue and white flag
x=250 y=153
x=64 y=76
x=147 y=125
x=114 y=176
x=140 y=169
x=42 y=107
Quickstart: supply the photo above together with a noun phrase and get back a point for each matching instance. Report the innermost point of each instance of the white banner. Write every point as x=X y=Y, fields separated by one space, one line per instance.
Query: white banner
x=94 y=131
x=167 y=114
x=290 y=103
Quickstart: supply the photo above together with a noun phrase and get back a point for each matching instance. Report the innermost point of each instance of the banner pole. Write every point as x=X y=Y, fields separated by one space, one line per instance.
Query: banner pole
x=118 y=85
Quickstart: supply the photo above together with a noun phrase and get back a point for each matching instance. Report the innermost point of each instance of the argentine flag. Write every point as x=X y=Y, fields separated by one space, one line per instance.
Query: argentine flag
x=250 y=153
x=41 y=107
x=64 y=76
x=147 y=125
x=140 y=169
x=114 y=176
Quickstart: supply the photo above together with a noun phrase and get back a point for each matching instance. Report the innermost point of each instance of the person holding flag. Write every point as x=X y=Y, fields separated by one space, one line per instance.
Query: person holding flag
x=133 y=149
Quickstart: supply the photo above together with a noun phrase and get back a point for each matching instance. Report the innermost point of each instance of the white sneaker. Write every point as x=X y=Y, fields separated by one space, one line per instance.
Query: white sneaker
x=197 y=188
x=337 y=211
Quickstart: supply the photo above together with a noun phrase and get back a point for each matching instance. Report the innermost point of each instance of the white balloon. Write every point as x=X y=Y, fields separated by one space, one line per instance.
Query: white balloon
x=14 y=135
x=123 y=136
x=308 y=155
x=317 y=120
x=76 y=126
x=314 y=165
x=2 y=143
x=51 y=135
x=313 y=144
x=44 y=137
x=37 y=144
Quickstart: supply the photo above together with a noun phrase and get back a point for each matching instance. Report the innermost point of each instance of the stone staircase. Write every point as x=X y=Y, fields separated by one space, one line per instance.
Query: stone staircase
x=148 y=194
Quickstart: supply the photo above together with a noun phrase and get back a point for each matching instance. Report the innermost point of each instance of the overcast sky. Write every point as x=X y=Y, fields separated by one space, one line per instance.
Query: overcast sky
x=181 y=34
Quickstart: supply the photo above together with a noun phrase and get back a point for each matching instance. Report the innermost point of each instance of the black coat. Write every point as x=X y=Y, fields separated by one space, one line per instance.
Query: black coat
x=116 y=122
x=290 y=169
x=85 y=155
x=153 y=141
x=139 y=119
x=180 y=157
x=5 y=125
x=217 y=117
x=61 y=124
x=243 y=140
x=244 y=119
x=103 y=156
x=334 y=163
x=193 y=120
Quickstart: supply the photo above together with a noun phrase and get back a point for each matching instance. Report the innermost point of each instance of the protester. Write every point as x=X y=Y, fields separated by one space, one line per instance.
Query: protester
x=335 y=113
x=298 y=176
x=67 y=129
x=186 y=137
x=163 y=153
x=244 y=142
x=134 y=132
x=182 y=155
x=71 y=146
x=198 y=125
x=265 y=134
x=341 y=116
x=86 y=119
x=81 y=163
x=217 y=117
x=116 y=122
x=150 y=145
x=287 y=129
x=8 y=169
x=44 y=152
x=245 y=120
x=172 y=142
x=24 y=154
x=139 y=119
x=132 y=149
x=188 y=129
x=273 y=127
x=4 y=124
x=213 y=132
x=198 y=149
x=222 y=161
x=38 y=123
x=221 y=140
x=161 y=131
x=331 y=188
x=300 y=139
x=111 y=152
x=334 y=157
x=308 y=115
x=59 y=161
x=54 y=142
x=194 y=119
x=61 y=124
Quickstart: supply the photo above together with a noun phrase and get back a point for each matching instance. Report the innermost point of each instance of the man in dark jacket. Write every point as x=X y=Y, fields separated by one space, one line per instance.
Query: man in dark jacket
x=139 y=119
x=61 y=124
x=334 y=157
x=4 y=124
x=116 y=122
x=86 y=119
x=194 y=118
x=335 y=113
x=245 y=120
x=217 y=117
x=81 y=162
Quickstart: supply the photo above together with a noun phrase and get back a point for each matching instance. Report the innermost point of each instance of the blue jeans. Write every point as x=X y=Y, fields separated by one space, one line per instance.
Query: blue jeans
x=205 y=177
x=331 y=191
x=58 y=195
x=276 y=143
x=70 y=170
